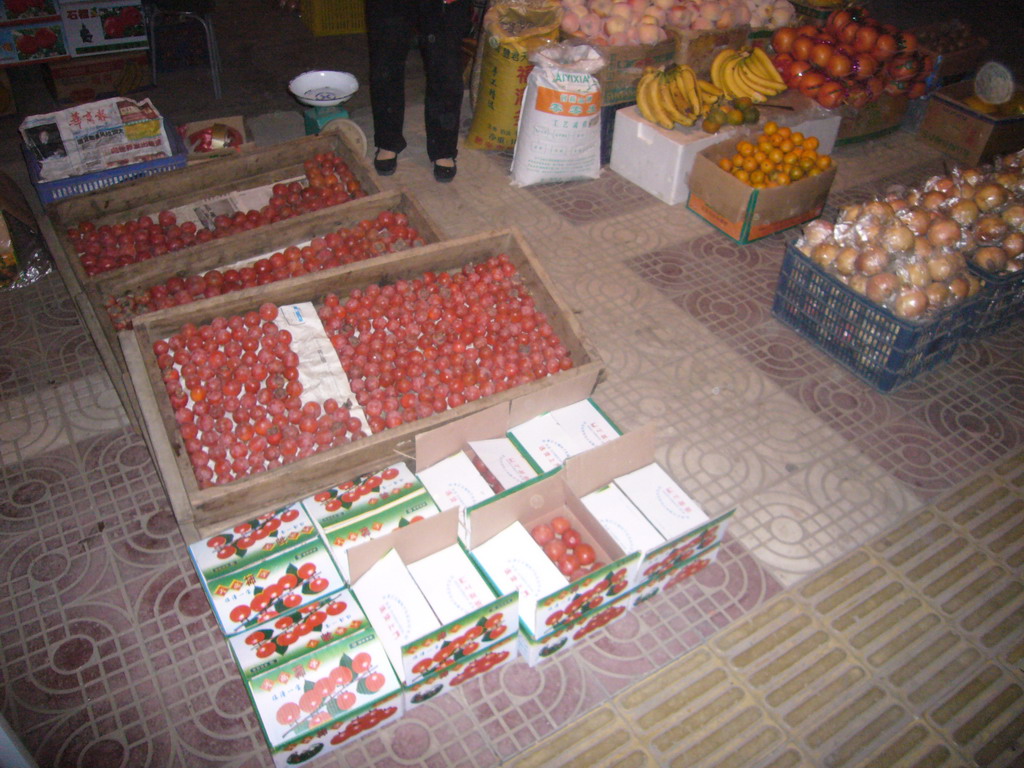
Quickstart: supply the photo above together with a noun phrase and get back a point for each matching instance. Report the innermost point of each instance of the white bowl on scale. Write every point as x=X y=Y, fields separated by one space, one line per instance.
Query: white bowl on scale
x=323 y=88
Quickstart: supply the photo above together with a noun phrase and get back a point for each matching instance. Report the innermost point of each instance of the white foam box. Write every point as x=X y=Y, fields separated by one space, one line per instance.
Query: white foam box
x=430 y=570
x=251 y=541
x=462 y=671
x=659 y=160
x=267 y=588
x=684 y=529
x=326 y=697
x=492 y=424
x=547 y=599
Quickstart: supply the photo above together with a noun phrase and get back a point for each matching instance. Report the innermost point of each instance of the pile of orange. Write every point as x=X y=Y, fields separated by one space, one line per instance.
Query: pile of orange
x=775 y=158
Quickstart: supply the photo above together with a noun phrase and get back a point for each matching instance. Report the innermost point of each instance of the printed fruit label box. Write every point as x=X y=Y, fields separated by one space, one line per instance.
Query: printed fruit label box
x=673 y=553
x=112 y=26
x=459 y=640
x=266 y=589
x=369 y=492
x=444 y=679
x=667 y=579
x=336 y=682
x=251 y=541
x=586 y=594
x=32 y=43
x=278 y=641
x=535 y=650
x=27 y=10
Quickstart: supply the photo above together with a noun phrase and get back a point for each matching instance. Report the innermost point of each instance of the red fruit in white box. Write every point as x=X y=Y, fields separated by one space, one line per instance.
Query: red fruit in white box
x=560 y=525
x=542 y=533
x=585 y=553
x=555 y=550
x=568 y=563
x=571 y=538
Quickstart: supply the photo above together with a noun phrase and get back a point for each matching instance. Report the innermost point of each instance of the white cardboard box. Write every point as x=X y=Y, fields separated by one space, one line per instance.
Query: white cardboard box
x=455 y=482
x=450 y=583
x=626 y=524
x=545 y=443
x=659 y=161
x=662 y=501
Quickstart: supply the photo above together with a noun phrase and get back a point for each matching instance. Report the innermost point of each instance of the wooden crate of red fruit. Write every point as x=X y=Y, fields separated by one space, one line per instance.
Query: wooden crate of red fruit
x=424 y=338
x=332 y=238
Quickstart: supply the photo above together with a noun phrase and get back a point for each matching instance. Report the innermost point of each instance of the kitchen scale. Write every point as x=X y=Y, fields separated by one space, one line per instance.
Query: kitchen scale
x=324 y=92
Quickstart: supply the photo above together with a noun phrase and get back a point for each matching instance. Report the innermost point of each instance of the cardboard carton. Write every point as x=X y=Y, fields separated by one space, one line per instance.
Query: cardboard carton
x=964 y=134
x=32 y=42
x=876 y=118
x=420 y=645
x=443 y=680
x=220 y=137
x=546 y=603
x=113 y=26
x=78 y=81
x=624 y=64
x=534 y=650
x=746 y=214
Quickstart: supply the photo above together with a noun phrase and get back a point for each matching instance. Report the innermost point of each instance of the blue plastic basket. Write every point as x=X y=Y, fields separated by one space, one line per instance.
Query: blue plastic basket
x=1000 y=301
x=874 y=344
x=52 y=191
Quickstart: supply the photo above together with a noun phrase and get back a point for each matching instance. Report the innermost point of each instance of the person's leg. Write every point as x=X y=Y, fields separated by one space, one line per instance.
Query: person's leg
x=389 y=25
x=442 y=28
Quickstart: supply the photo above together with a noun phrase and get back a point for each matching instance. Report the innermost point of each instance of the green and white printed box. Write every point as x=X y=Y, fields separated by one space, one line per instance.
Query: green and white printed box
x=513 y=559
x=405 y=575
x=462 y=671
x=325 y=697
x=677 y=528
x=585 y=419
x=534 y=650
x=252 y=541
x=268 y=588
x=678 y=571
x=544 y=442
x=278 y=641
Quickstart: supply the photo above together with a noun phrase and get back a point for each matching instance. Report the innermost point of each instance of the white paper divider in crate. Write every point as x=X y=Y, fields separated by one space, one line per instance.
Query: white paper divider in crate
x=455 y=482
x=509 y=467
x=586 y=420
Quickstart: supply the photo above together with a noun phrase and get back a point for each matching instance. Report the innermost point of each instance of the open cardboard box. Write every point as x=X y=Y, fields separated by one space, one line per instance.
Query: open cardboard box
x=600 y=466
x=227 y=137
x=964 y=134
x=536 y=502
x=746 y=214
x=448 y=643
x=492 y=423
x=443 y=680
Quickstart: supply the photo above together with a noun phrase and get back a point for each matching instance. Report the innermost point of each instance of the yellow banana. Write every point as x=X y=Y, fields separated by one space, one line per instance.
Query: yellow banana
x=647 y=101
x=675 y=86
x=668 y=102
x=689 y=80
x=709 y=90
x=766 y=68
x=736 y=85
x=716 y=66
x=754 y=80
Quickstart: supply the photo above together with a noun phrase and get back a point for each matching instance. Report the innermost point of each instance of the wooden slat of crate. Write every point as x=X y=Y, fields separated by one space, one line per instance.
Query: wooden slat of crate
x=211 y=509
x=220 y=254
x=152 y=194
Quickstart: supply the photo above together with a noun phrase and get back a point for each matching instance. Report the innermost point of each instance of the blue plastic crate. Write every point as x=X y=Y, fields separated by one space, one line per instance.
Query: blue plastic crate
x=52 y=191
x=1000 y=301
x=874 y=344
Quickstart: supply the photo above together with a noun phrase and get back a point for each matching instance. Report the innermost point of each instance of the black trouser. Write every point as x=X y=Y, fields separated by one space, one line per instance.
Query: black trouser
x=441 y=27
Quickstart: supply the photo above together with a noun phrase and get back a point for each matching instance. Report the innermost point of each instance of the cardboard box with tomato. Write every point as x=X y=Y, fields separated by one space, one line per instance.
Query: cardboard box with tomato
x=641 y=506
x=209 y=139
x=534 y=650
x=745 y=213
x=428 y=599
x=110 y=26
x=32 y=43
x=324 y=697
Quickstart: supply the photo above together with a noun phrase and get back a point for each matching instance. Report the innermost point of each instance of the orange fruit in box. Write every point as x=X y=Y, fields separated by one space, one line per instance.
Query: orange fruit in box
x=776 y=157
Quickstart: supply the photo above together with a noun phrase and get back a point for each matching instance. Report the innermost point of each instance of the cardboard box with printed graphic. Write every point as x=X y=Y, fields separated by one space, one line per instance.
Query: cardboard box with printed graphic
x=110 y=26
x=32 y=43
x=428 y=599
x=268 y=587
x=252 y=541
x=484 y=434
x=501 y=542
x=326 y=697
x=679 y=571
x=534 y=650
x=219 y=137
x=965 y=134
x=443 y=680
x=744 y=213
x=641 y=506
x=78 y=81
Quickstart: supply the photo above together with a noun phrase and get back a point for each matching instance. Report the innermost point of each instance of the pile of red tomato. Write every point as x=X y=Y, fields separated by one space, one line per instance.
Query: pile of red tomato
x=852 y=59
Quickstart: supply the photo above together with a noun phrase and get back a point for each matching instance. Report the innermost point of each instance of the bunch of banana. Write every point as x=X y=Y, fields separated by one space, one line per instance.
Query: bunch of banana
x=131 y=78
x=675 y=95
x=748 y=72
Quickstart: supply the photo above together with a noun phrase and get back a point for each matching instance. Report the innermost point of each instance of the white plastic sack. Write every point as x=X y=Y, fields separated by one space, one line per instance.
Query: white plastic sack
x=559 y=136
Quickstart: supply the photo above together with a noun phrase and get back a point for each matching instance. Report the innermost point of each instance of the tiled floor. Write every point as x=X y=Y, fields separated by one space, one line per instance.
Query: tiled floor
x=866 y=608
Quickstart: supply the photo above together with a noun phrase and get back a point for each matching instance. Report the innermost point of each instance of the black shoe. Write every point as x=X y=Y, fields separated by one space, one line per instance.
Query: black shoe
x=384 y=167
x=444 y=173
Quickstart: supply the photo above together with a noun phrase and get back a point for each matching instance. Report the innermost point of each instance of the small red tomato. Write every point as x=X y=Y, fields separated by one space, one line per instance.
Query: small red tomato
x=555 y=550
x=571 y=537
x=542 y=533
x=585 y=553
x=568 y=564
x=560 y=525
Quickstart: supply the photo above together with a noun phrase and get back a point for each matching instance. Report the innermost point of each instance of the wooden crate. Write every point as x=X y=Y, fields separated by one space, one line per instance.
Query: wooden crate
x=202 y=511
x=150 y=195
x=219 y=254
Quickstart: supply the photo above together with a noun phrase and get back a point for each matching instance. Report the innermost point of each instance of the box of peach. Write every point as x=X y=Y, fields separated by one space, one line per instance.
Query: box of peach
x=431 y=605
x=252 y=540
x=325 y=697
x=542 y=541
x=267 y=588
x=641 y=506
